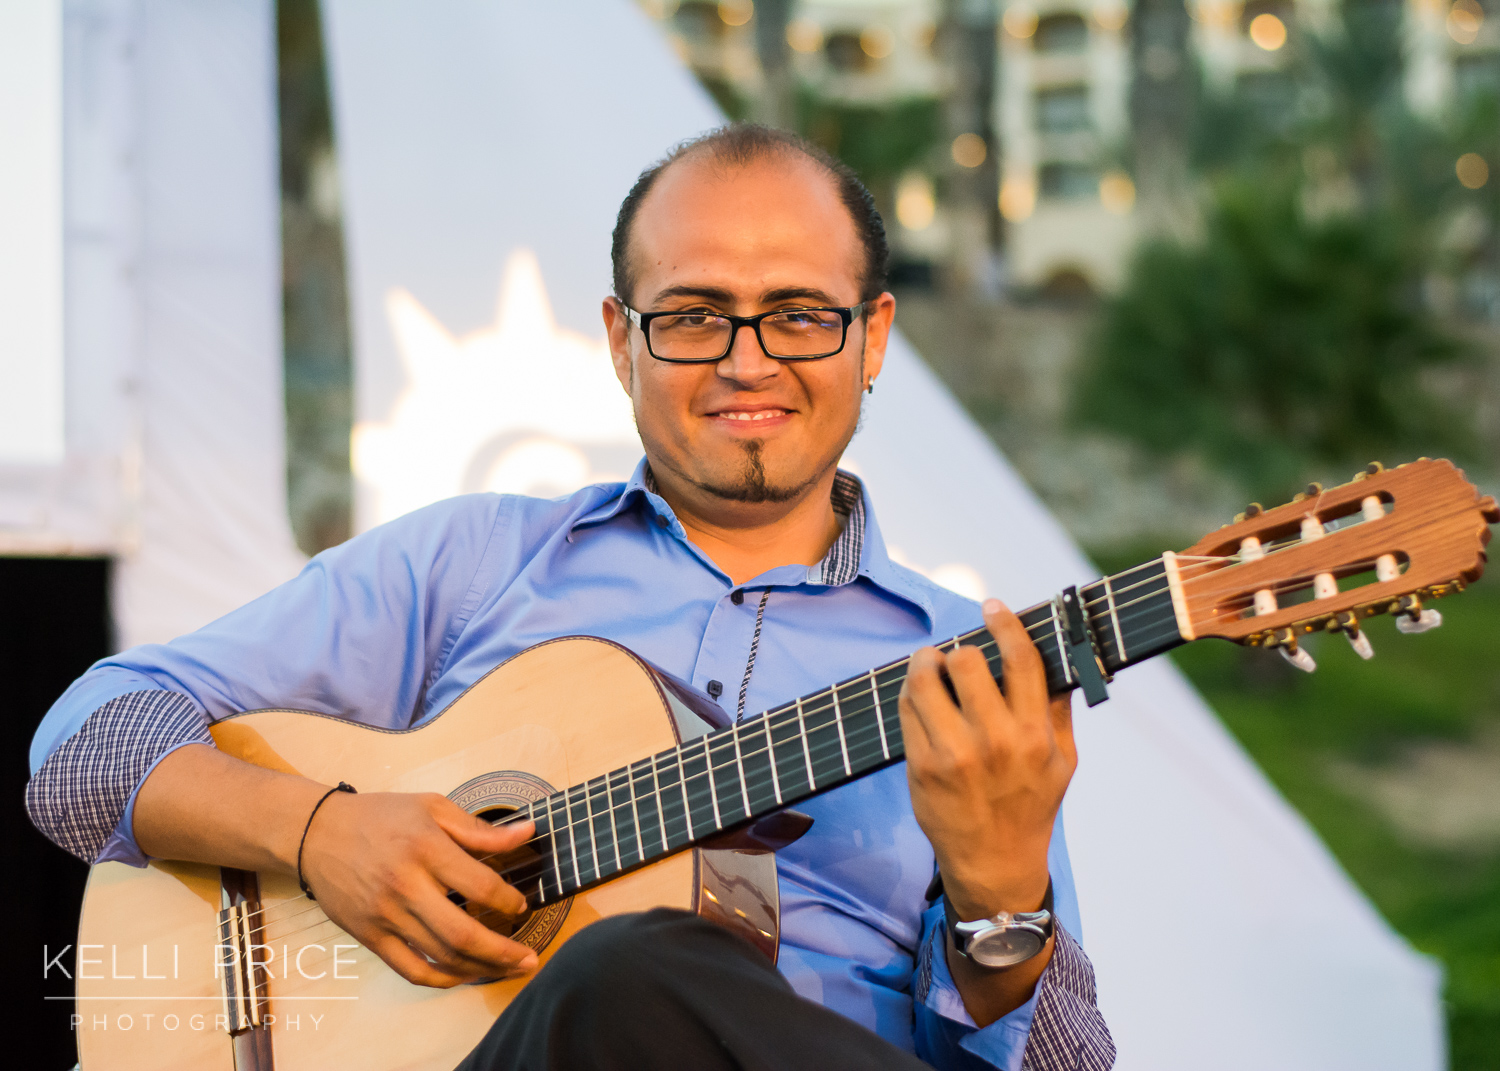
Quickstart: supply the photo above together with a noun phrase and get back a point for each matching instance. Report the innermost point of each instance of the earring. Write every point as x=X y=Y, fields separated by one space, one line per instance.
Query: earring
x=869 y=386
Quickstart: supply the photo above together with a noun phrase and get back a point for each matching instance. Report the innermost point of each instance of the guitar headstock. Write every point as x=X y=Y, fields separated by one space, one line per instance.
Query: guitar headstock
x=1383 y=543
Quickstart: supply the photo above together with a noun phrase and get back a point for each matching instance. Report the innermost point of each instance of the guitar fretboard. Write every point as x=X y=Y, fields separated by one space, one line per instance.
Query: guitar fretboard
x=636 y=814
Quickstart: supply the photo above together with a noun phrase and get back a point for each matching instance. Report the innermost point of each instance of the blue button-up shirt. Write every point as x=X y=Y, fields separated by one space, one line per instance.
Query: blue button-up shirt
x=391 y=627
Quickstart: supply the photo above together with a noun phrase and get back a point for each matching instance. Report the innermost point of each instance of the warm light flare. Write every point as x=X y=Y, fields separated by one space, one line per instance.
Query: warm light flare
x=877 y=41
x=1017 y=199
x=1465 y=18
x=736 y=12
x=1472 y=170
x=969 y=150
x=804 y=35
x=1268 y=32
x=1019 y=22
x=915 y=203
x=1117 y=192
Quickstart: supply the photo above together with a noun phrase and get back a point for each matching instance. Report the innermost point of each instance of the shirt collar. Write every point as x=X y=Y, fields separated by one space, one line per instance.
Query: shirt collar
x=859 y=550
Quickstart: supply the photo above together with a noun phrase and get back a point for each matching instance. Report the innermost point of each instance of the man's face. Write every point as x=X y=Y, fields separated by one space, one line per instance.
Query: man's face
x=744 y=240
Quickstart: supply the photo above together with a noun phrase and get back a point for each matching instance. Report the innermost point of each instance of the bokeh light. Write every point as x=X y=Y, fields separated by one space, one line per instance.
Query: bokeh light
x=1465 y=18
x=1020 y=22
x=1472 y=171
x=969 y=150
x=1268 y=32
x=736 y=12
x=1017 y=198
x=877 y=41
x=804 y=35
x=916 y=204
x=1117 y=192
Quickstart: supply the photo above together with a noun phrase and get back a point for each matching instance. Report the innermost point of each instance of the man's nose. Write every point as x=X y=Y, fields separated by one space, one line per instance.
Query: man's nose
x=747 y=362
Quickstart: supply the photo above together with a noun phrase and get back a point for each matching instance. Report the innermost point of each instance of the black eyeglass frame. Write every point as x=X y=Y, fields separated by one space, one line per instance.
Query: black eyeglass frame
x=643 y=321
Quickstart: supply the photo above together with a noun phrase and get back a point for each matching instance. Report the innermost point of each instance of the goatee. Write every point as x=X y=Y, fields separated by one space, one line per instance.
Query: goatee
x=752 y=485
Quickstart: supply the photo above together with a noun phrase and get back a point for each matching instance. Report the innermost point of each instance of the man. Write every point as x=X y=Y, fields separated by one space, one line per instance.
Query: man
x=749 y=318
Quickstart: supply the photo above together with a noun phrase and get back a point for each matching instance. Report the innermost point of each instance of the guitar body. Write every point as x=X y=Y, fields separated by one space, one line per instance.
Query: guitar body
x=150 y=985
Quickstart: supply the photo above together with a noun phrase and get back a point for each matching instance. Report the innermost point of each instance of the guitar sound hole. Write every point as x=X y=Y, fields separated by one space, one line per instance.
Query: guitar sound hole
x=514 y=867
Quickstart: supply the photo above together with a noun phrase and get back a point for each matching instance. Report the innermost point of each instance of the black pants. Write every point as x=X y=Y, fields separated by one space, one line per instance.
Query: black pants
x=665 y=989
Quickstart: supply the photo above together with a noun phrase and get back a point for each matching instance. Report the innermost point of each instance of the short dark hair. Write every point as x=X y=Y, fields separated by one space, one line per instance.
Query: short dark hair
x=736 y=145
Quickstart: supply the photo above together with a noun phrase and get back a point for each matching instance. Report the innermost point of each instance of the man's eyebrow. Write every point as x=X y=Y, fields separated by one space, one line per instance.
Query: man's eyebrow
x=792 y=293
x=725 y=298
x=716 y=294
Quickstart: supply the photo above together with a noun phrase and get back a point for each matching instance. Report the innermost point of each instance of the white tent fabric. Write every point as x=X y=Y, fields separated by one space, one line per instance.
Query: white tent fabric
x=175 y=456
x=487 y=145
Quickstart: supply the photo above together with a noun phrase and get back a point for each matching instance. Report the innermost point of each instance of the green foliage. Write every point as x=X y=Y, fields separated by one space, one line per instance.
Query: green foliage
x=1277 y=341
x=877 y=141
x=1292 y=336
x=1446 y=901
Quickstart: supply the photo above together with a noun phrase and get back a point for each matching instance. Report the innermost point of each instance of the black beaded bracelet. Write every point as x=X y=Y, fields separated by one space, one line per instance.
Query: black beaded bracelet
x=342 y=787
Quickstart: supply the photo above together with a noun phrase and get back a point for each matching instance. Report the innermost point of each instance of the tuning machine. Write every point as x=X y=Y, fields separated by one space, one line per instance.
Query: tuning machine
x=1285 y=641
x=1411 y=618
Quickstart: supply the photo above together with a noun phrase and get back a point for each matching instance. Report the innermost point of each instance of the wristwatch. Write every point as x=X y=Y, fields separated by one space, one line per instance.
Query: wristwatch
x=1004 y=939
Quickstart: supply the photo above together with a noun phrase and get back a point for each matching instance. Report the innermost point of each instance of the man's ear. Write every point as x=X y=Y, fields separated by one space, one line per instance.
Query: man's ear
x=878 y=319
x=617 y=330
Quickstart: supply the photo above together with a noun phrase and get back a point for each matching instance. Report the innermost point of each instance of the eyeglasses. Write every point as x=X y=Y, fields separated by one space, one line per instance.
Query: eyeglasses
x=785 y=334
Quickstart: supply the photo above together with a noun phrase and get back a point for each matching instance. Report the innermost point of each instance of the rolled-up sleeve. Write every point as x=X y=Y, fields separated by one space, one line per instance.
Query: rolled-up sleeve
x=359 y=633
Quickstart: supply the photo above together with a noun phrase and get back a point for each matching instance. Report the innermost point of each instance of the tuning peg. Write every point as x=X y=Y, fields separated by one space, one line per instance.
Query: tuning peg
x=1374 y=468
x=1411 y=618
x=1285 y=641
x=1299 y=658
x=1348 y=623
x=1424 y=621
x=1254 y=509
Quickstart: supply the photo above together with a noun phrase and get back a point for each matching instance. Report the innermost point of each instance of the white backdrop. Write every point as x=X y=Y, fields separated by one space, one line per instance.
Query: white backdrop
x=174 y=457
x=484 y=149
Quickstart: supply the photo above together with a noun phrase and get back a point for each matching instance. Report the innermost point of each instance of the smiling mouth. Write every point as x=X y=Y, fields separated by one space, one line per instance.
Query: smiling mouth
x=758 y=414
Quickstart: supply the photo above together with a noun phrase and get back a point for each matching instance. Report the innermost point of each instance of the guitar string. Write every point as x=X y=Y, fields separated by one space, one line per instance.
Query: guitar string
x=852 y=733
x=630 y=777
x=859 y=733
x=1045 y=628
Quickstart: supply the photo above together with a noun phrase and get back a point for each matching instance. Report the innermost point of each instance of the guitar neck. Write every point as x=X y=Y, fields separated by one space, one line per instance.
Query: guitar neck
x=631 y=816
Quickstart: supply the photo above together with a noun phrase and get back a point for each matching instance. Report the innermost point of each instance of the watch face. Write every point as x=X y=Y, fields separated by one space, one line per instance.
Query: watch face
x=1004 y=947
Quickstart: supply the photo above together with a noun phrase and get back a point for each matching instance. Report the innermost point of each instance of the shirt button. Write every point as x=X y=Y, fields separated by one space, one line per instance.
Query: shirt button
x=737 y=596
x=715 y=689
x=662 y=522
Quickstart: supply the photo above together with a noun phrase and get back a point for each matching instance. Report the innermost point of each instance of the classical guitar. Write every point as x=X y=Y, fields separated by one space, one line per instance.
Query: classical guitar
x=188 y=966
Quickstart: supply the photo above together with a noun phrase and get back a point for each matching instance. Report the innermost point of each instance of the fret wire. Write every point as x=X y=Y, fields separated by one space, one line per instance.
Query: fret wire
x=838 y=720
x=1057 y=636
x=687 y=808
x=1133 y=587
x=661 y=813
x=588 y=819
x=1114 y=616
x=614 y=833
x=802 y=732
x=572 y=837
x=771 y=753
x=885 y=747
x=635 y=814
x=713 y=792
x=739 y=762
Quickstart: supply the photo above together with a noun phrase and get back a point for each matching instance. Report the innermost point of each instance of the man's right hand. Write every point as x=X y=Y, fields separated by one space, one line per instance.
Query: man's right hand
x=381 y=865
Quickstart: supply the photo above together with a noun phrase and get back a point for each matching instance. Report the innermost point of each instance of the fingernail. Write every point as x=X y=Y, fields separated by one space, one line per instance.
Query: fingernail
x=992 y=606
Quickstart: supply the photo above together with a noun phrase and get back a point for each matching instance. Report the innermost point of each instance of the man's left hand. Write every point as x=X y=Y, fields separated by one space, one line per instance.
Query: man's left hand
x=987 y=773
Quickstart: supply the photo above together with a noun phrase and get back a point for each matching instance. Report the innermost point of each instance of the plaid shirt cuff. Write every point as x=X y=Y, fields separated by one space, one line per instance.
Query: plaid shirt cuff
x=1058 y=1029
x=80 y=796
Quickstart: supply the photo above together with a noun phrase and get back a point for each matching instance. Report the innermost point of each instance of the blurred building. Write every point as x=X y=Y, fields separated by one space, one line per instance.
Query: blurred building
x=1057 y=140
